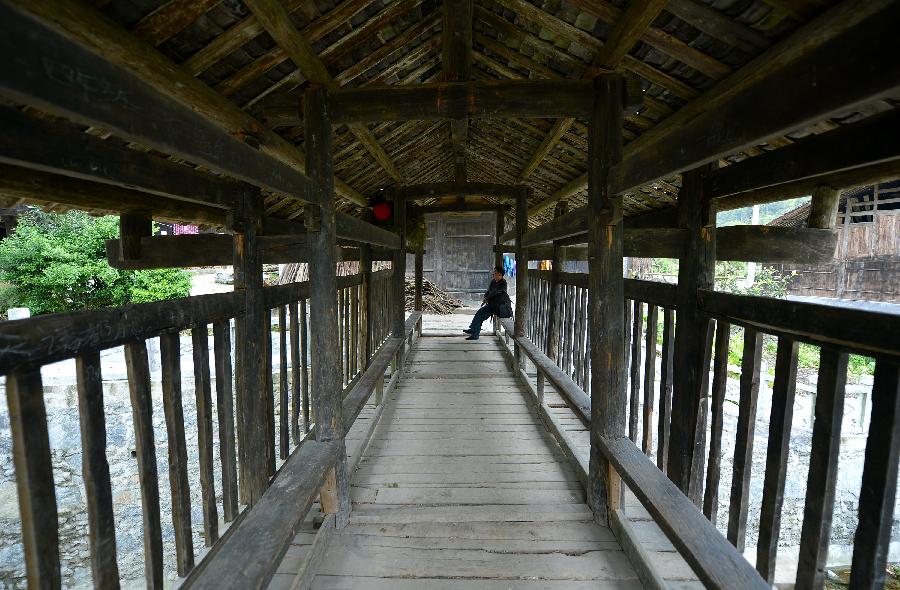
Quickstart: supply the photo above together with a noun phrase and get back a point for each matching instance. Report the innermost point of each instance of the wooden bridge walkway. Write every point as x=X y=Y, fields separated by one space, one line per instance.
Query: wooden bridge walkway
x=461 y=486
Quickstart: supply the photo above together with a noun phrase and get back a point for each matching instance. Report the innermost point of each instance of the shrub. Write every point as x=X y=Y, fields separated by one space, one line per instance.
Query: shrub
x=56 y=263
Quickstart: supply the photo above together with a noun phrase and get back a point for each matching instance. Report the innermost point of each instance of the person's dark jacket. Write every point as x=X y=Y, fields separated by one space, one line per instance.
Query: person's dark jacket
x=497 y=297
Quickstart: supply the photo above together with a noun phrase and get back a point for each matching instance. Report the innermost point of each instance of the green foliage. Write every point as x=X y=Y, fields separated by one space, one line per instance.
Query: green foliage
x=731 y=277
x=56 y=263
x=767 y=212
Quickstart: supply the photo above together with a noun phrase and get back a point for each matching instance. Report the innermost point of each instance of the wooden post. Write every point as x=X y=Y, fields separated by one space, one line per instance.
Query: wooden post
x=399 y=265
x=326 y=356
x=823 y=208
x=552 y=319
x=132 y=227
x=250 y=349
x=521 y=271
x=606 y=285
x=692 y=338
x=420 y=269
x=365 y=303
x=501 y=229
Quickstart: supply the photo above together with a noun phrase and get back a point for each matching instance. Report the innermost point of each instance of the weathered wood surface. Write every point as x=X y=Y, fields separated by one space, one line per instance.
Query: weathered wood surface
x=250 y=554
x=95 y=471
x=34 y=477
x=129 y=107
x=225 y=416
x=46 y=339
x=437 y=190
x=858 y=329
x=879 y=485
x=459 y=100
x=203 y=397
x=170 y=360
x=145 y=448
x=717 y=416
x=461 y=487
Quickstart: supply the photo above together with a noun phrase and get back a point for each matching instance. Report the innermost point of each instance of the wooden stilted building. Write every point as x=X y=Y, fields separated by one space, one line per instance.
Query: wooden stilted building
x=597 y=129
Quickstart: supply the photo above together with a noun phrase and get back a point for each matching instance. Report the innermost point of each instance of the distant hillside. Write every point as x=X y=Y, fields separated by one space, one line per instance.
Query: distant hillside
x=767 y=212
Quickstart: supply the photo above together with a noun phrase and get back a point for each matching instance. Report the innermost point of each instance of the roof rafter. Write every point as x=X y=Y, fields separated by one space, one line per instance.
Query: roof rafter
x=626 y=32
x=456 y=66
x=277 y=22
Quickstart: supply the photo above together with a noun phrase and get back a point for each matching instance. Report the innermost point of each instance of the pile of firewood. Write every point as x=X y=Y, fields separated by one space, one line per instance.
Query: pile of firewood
x=433 y=299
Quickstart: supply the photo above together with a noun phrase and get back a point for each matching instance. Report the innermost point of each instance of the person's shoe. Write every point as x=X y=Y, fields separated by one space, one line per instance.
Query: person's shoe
x=467 y=331
x=473 y=337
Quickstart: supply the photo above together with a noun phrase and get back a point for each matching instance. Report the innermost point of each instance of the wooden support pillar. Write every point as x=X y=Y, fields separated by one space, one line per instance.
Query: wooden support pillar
x=823 y=208
x=693 y=330
x=606 y=285
x=133 y=226
x=521 y=270
x=552 y=343
x=250 y=348
x=326 y=356
x=365 y=303
x=501 y=229
x=399 y=264
x=420 y=270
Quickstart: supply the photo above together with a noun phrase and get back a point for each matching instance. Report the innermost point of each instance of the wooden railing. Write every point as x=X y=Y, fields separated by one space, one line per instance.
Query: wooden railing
x=837 y=330
x=27 y=345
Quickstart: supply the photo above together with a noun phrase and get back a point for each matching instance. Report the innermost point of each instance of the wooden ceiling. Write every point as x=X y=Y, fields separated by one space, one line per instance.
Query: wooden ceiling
x=260 y=54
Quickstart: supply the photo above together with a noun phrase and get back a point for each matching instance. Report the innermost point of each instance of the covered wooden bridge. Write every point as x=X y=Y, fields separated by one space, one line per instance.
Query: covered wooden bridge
x=596 y=129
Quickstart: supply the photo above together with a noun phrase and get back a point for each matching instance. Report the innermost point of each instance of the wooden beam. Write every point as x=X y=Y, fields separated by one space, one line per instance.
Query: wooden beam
x=869 y=142
x=627 y=31
x=276 y=20
x=252 y=549
x=349 y=229
x=62 y=149
x=605 y=306
x=86 y=26
x=459 y=100
x=717 y=25
x=326 y=356
x=40 y=187
x=170 y=18
x=127 y=106
x=436 y=190
x=786 y=69
x=521 y=273
x=460 y=207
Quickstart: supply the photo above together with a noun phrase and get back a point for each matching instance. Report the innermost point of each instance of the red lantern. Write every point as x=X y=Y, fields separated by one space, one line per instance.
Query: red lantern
x=382 y=212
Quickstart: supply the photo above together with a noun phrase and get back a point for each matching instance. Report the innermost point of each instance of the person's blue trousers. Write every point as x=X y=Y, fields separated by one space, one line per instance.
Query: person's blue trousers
x=481 y=316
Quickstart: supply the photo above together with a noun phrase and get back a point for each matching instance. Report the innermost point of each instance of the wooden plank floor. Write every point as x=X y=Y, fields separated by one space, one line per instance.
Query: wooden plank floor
x=462 y=487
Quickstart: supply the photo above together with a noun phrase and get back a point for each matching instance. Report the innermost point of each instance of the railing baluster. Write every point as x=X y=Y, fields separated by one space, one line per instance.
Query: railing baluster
x=635 y=378
x=340 y=335
x=823 y=463
x=720 y=378
x=354 y=331
x=283 y=409
x=203 y=395
x=95 y=471
x=295 y=373
x=578 y=348
x=783 y=389
x=142 y=410
x=170 y=357
x=743 y=446
x=628 y=319
x=665 y=388
x=225 y=411
x=269 y=394
x=304 y=367
x=879 y=483
x=34 y=477
x=649 y=379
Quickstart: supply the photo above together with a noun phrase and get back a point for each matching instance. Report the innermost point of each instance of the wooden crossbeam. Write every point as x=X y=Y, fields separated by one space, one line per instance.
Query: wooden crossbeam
x=85 y=26
x=56 y=74
x=59 y=148
x=786 y=70
x=277 y=22
x=871 y=141
x=170 y=18
x=626 y=32
x=457 y=100
x=437 y=190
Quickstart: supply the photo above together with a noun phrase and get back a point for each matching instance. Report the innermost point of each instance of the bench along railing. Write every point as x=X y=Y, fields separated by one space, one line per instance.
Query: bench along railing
x=27 y=345
x=837 y=330
x=249 y=554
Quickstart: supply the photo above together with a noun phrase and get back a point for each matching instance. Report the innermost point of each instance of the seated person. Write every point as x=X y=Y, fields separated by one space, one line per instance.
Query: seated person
x=496 y=302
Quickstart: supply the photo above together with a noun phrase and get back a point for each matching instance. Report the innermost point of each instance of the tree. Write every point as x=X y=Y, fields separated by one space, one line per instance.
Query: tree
x=56 y=263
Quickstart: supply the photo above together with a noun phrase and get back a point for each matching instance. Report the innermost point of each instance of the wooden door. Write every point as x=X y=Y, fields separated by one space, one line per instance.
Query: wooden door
x=459 y=253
